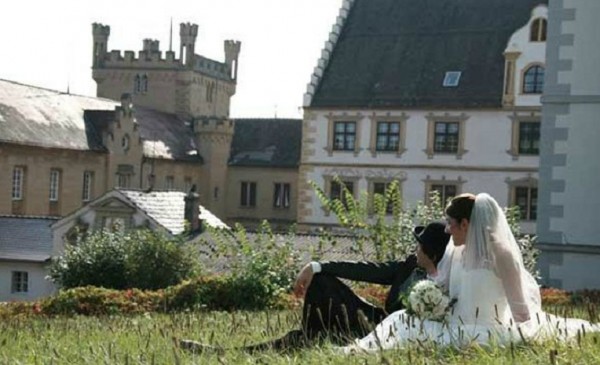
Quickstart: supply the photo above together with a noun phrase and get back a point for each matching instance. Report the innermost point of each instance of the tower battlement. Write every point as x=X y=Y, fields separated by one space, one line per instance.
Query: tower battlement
x=100 y=30
x=151 y=56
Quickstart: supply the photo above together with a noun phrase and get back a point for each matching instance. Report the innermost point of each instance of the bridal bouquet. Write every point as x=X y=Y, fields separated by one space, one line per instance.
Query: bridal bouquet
x=427 y=301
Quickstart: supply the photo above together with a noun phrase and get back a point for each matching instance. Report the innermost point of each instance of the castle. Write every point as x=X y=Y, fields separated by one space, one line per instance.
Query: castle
x=158 y=123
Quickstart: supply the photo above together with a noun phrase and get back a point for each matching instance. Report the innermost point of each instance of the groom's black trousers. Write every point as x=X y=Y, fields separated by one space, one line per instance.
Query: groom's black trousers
x=331 y=310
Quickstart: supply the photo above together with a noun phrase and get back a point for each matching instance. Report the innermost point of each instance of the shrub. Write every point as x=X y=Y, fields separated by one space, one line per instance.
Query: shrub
x=262 y=269
x=136 y=259
x=91 y=300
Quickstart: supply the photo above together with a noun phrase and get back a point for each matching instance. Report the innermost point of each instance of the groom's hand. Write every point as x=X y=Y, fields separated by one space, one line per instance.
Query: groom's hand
x=303 y=281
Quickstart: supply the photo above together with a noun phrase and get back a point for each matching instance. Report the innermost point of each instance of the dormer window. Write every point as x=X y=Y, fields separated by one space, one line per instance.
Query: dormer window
x=452 y=78
x=533 y=80
x=538 y=30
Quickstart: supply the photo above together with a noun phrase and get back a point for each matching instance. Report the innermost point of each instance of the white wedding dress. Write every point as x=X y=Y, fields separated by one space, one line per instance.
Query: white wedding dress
x=497 y=299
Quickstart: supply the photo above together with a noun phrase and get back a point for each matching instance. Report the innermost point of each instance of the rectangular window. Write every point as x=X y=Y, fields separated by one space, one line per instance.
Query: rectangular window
x=281 y=195
x=446 y=191
x=344 y=136
x=169 y=183
x=529 y=138
x=388 y=136
x=446 y=137
x=336 y=191
x=380 y=188
x=187 y=184
x=20 y=282
x=17 y=183
x=54 y=185
x=451 y=78
x=526 y=200
x=88 y=179
x=248 y=194
x=123 y=181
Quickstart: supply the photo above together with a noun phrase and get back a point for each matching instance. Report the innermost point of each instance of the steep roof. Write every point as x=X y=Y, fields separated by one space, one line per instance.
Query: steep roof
x=395 y=53
x=40 y=117
x=167 y=208
x=266 y=142
x=26 y=238
x=35 y=116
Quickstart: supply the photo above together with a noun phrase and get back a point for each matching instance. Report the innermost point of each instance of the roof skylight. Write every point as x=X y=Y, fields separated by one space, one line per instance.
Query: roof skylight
x=452 y=78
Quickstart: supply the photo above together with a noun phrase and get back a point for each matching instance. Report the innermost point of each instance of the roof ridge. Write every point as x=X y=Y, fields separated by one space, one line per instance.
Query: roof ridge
x=48 y=217
x=57 y=92
x=334 y=35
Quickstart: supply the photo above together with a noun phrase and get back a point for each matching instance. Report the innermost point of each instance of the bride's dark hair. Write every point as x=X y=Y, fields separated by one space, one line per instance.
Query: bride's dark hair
x=460 y=207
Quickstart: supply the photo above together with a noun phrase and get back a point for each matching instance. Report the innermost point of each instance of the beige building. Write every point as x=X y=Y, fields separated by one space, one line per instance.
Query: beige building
x=158 y=123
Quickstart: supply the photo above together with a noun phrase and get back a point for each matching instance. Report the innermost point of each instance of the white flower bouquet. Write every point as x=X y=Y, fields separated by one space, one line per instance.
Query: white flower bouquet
x=427 y=300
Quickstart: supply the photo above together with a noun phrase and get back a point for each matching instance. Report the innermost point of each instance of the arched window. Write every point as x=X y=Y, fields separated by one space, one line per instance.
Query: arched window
x=538 y=30
x=533 y=80
x=137 y=85
x=144 y=84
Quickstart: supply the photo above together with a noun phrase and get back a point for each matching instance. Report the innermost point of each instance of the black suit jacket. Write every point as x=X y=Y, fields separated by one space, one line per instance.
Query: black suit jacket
x=399 y=274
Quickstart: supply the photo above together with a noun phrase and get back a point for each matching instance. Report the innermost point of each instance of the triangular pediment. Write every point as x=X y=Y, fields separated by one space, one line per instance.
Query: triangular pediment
x=114 y=204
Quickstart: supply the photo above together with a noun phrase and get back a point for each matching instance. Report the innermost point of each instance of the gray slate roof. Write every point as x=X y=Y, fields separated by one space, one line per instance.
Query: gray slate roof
x=25 y=238
x=395 y=53
x=40 y=117
x=266 y=142
x=167 y=208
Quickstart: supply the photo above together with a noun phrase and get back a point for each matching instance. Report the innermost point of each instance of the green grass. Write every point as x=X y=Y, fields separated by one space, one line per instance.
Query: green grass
x=148 y=339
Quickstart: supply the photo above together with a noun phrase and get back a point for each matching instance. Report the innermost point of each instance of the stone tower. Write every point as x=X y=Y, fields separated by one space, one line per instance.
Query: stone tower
x=100 y=33
x=188 y=34
x=194 y=87
x=213 y=138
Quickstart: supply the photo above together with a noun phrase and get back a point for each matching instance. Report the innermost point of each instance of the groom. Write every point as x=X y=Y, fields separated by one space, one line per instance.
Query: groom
x=331 y=309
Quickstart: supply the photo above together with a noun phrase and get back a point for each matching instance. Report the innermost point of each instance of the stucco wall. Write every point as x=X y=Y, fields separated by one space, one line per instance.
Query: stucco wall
x=38 y=285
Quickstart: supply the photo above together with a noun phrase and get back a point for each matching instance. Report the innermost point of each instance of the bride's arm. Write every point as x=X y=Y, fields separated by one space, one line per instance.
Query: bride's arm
x=509 y=272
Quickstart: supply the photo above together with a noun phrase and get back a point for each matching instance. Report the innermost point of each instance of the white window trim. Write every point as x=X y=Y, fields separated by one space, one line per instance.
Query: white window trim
x=17 y=182
x=54 y=195
x=88 y=177
x=443 y=181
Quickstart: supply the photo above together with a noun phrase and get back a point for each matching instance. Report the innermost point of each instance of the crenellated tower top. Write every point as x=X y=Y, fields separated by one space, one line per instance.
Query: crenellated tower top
x=232 y=52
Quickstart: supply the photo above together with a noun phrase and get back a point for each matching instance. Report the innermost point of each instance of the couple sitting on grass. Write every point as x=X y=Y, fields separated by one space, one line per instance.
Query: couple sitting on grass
x=482 y=294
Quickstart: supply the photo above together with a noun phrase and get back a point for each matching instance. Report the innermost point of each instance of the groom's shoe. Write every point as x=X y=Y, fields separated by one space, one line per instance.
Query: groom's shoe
x=293 y=340
x=197 y=347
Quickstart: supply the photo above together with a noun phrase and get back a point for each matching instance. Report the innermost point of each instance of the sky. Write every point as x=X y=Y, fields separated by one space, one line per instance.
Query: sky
x=49 y=43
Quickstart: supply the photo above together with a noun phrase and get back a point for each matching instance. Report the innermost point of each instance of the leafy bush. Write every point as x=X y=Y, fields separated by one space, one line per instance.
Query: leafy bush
x=136 y=259
x=368 y=222
x=91 y=300
x=262 y=269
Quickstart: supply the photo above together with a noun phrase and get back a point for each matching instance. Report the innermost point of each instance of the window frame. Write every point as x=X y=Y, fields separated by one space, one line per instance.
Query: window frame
x=87 y=188
x=432 y=120
x=332 y=119
x=375 y=121
x=516 y=120
x=17 y=191
x=538 y=31
x=538 y=86
x=372 y=182
x=282 y=193
x=54 y=188
x=248 y=190
x=530 y=208
x=430 y=183
x=345 y=134
x=19 y=282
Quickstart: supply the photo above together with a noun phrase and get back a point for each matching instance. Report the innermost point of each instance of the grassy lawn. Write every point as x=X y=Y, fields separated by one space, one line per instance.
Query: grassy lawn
x=148 y=339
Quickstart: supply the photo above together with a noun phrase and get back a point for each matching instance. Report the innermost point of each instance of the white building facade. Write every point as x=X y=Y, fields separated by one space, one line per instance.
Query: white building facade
x=443 y=120
x=568 y=228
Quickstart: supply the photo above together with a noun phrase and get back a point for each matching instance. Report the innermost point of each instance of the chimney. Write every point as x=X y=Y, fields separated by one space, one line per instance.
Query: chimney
x=192 y=209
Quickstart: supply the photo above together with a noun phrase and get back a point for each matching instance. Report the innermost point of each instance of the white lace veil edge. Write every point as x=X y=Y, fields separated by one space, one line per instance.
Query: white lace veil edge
x=491 y=245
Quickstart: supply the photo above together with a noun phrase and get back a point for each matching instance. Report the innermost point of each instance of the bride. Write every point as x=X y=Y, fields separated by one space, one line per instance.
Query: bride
x=498 y=301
